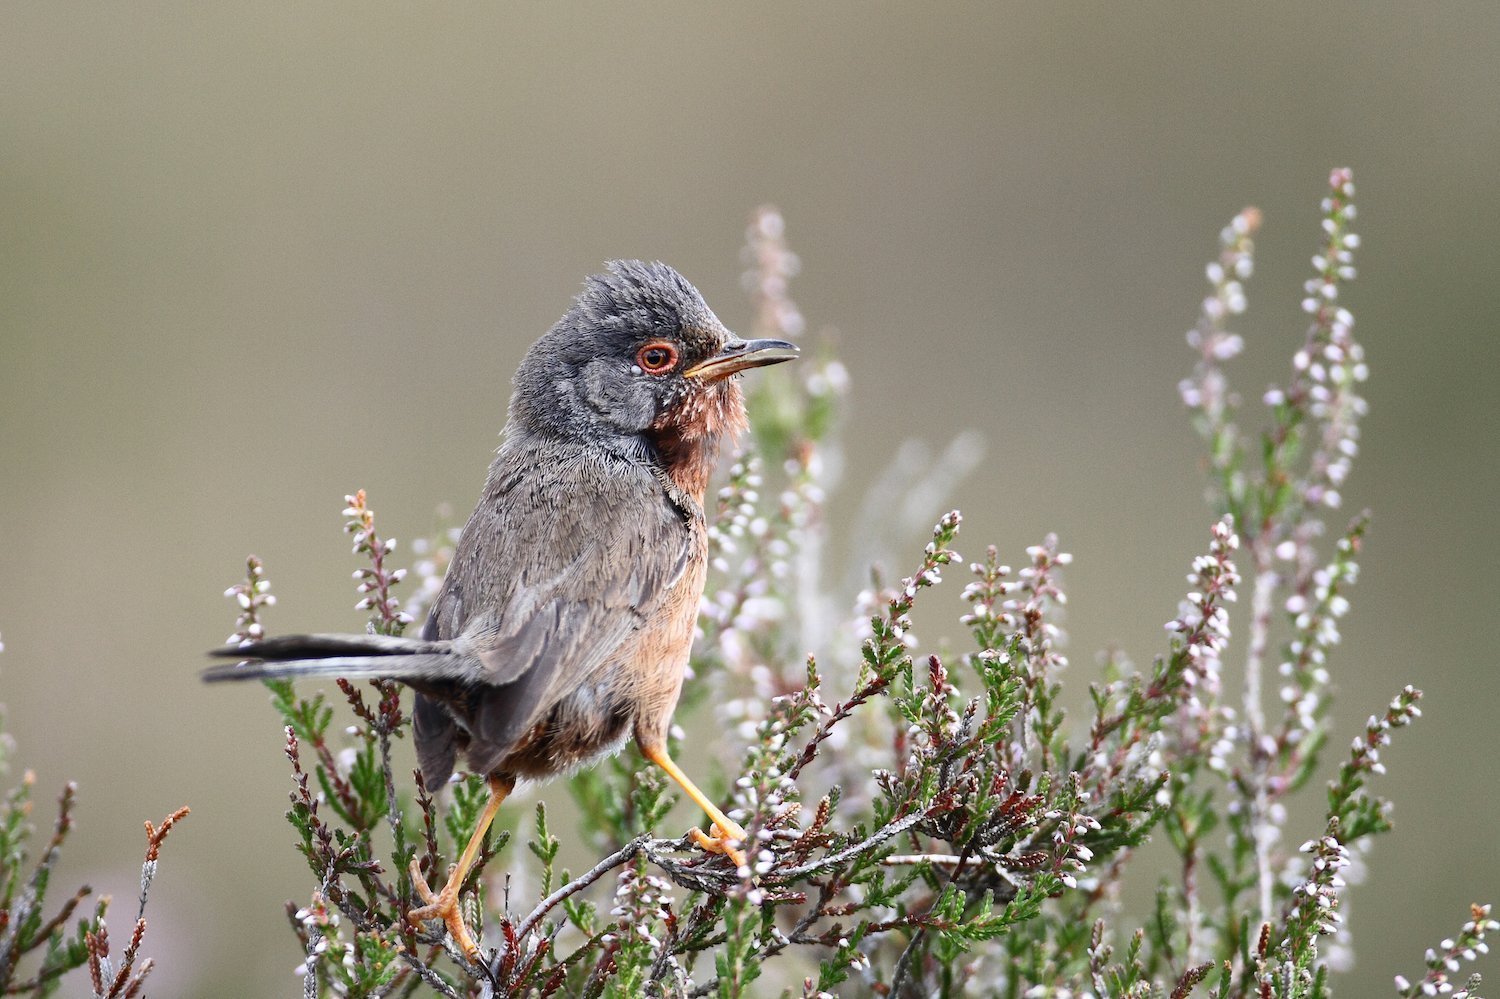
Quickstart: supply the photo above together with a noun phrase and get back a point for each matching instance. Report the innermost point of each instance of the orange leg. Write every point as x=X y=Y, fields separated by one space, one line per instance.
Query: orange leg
x=726 y=835
x=444 y=904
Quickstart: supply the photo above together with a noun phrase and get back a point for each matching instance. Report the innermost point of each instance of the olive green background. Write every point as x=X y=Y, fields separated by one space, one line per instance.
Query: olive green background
x=253 y=257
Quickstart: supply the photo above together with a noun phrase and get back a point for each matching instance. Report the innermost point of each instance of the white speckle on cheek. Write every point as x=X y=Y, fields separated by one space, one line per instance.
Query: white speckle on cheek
x=635 y=369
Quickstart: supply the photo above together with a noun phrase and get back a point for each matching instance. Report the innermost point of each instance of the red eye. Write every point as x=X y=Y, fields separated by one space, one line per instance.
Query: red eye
x=656 y=358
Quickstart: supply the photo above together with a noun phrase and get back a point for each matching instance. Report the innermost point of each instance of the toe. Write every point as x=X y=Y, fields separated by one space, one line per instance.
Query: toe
x=445 y=907
x=419 y=883
x=460 y=932
x=734 y=831
x=719 y=842
x=730 y=840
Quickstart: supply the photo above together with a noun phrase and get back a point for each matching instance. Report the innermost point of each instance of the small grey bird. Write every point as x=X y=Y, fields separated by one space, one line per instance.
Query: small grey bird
x=566 y=618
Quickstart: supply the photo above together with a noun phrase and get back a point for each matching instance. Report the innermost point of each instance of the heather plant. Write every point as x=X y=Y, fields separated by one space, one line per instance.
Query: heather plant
x=919 y=824
x=38 y=950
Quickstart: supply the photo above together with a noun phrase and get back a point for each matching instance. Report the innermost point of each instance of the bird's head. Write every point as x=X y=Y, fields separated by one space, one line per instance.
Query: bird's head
x=639 y=355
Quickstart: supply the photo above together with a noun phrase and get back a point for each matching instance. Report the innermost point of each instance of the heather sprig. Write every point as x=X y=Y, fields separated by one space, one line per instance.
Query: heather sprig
x=1445 y=960
x=124 y=978
x=252 y=596
x=1206 y=391
x=38 y=949
x=28 y=933
x=375 y=580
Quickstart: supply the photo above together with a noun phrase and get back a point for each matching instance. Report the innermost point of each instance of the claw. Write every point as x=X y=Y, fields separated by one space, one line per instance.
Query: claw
x=442 y=905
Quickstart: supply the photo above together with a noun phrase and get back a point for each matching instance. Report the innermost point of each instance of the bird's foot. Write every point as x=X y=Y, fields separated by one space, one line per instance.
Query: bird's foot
x=442 y=905
x=718 y=840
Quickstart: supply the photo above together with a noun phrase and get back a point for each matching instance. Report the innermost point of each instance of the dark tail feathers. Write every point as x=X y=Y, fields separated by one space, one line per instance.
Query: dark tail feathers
x=339 y=655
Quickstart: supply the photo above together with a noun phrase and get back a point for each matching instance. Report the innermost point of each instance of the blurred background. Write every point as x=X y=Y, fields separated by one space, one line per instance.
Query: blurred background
x=253 y=257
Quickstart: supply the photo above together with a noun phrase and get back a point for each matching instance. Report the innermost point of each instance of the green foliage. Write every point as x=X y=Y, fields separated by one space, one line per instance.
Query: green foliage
x=26 y=931
x=37 y=949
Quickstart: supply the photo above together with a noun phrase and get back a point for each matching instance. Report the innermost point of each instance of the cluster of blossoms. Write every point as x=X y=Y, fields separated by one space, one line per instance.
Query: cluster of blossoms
x=1331 y=375
x=748 y=600
x=1207 y=730
x=1441 y=964
x=765 y=796
x=1038 y=590
x=1028 y=611
x=375 y=581
x=1319 y=894
x=1364 y=751
x=770 y=267
x=1203 y=620
x=731 y=614
x=1328 y=369
x=316 y=919
x=736 y=517
x=643 y=901
x=1206 y=391
x=1315 y=609
x=433 y=556
x=1069 y=856
x=251 y=597
x=985 y=594
x=773 y=564
x=1338 y=264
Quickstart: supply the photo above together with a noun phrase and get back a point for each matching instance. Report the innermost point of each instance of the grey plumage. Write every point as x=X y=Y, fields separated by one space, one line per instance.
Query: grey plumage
x=579 y=533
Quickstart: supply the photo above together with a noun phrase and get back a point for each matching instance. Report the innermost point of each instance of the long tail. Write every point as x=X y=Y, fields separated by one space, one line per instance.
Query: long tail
x=298 y=656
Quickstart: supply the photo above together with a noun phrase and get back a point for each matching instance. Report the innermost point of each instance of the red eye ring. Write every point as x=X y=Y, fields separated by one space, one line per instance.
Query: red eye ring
x=656 y=358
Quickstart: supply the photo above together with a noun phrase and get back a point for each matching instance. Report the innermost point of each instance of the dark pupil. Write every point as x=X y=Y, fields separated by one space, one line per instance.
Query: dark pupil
x=656 y=357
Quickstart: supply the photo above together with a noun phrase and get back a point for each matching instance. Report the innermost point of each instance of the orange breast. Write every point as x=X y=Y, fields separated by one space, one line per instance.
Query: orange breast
x=657 y=655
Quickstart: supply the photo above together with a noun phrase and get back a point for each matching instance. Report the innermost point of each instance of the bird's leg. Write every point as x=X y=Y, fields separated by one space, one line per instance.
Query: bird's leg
x=444 y=904
x=725 y=835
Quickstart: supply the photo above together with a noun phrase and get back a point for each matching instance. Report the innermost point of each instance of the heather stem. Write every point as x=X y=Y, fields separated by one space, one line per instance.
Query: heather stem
x=1192 y=924
x=1260 y=805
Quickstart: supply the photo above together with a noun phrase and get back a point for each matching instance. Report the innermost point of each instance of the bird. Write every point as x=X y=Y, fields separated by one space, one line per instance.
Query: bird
x=564 y=623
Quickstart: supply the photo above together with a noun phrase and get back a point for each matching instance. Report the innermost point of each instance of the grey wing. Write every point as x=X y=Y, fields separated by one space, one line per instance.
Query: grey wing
x=435 y=732
x=565 y=555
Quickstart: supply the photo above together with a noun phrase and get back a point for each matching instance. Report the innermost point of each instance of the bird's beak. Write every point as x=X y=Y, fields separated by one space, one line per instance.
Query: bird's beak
x=737 y=355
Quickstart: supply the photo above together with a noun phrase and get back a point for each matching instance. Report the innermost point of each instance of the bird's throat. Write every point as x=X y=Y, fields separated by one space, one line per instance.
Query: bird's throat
x=687 y=436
